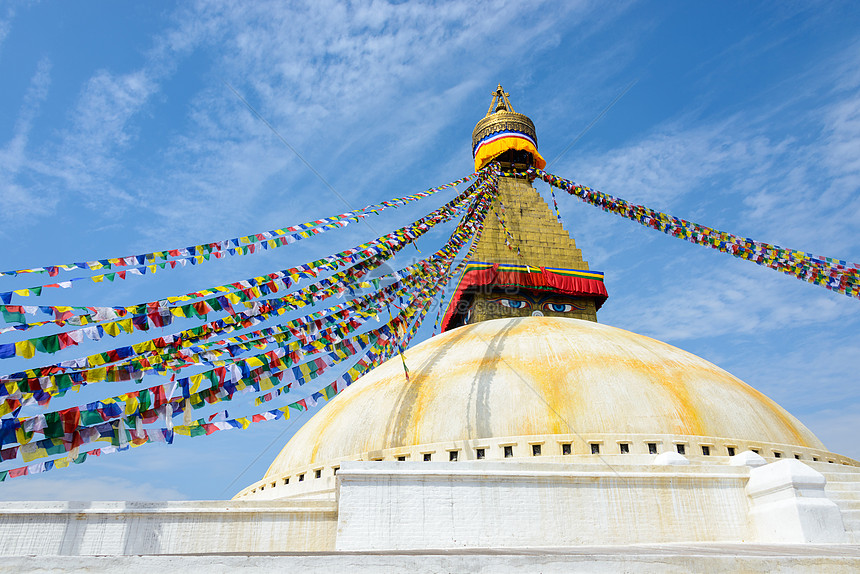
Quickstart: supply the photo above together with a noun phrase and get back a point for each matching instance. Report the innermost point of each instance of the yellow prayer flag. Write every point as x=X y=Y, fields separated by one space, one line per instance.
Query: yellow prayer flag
x=25 y=349
x=195 y=381
x=23 y=437
x=30 y=452
x=144 y=347
x=131 y=403
x=94 y=375
x=253 y=362
x=112 y=329
x=267 y=383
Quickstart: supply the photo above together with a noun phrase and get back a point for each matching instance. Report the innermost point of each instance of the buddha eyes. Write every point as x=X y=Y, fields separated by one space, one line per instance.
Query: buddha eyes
x=512 y=303
x=520 y=304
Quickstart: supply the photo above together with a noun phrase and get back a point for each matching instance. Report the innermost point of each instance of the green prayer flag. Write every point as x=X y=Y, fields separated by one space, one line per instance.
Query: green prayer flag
x=59 y=447
x=13 y=316
x=145 y=398
x=53 y=425
x=89 y=418
x=47 y=344
x=64 y=382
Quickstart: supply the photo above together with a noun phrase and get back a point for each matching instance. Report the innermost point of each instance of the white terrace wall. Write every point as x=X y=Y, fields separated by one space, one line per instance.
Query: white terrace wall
x=391 y=505
x=129 y=528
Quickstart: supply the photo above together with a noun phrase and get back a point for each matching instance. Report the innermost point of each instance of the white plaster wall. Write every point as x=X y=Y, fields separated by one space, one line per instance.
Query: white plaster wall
x=123 y=528
x=398 y=506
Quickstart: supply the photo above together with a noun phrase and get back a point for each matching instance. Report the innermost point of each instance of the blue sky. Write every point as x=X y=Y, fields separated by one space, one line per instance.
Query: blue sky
x=119 y=135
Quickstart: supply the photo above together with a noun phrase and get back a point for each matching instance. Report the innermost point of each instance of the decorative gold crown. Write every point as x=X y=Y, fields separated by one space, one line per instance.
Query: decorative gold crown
x=502 y=118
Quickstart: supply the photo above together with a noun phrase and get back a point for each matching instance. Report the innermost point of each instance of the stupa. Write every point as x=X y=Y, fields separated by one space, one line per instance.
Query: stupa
x=528 y=436
x=524 y=388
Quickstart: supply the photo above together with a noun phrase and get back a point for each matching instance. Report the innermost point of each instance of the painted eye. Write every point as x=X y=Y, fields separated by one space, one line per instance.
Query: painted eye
x=559 y=307
x=512 y=303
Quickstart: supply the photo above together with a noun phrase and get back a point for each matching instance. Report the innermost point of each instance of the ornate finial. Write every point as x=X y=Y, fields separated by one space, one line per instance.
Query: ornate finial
x=500 y=101
x=503 y=129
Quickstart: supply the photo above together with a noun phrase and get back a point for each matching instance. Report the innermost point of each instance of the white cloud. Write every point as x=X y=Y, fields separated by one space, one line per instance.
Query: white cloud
x=6 y=25
x=331 y=78
x=84 y=489
x=20 y=200
x=706 y=297
x=837 y=429
x=749 y=174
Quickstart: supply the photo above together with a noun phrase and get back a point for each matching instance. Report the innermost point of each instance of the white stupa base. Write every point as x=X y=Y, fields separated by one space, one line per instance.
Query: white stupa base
x=470 y=515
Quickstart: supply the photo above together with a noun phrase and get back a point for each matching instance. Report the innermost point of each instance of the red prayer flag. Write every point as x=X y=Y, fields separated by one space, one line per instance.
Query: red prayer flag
x=71 y=419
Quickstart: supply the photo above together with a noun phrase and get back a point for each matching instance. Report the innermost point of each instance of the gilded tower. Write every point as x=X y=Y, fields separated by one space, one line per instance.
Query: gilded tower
x=525 y=263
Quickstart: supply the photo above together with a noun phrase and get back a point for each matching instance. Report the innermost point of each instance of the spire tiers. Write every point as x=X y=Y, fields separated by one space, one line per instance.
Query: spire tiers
x=525 y=263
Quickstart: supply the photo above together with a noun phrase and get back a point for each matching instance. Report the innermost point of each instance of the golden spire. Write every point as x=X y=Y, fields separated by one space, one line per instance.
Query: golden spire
x=525 y=262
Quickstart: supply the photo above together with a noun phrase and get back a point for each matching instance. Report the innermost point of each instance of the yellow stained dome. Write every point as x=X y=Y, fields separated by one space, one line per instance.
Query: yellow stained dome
x=538 y=376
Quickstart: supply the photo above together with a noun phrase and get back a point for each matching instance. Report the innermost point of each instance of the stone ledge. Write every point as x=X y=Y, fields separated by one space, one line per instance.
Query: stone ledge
x=413 y=469
x=719 y=558
x=162 y=508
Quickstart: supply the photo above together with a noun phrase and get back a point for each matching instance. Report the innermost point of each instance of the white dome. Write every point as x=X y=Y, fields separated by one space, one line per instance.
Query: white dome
x=537 y=376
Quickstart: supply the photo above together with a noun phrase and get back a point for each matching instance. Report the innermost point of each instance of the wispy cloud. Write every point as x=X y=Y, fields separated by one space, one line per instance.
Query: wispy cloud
x=731 y=298
x=6 y=24
x=332 y=78
x=85 y=489
x=101 y=129
x=19 y=199
x=835 y=427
